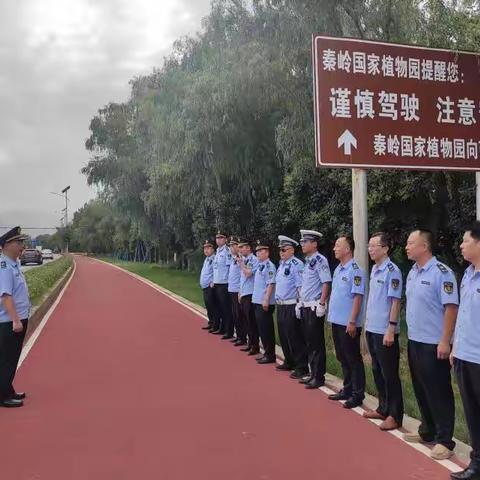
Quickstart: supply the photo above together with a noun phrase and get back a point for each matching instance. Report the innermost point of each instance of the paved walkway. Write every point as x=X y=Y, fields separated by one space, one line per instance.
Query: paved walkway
x=123 y=384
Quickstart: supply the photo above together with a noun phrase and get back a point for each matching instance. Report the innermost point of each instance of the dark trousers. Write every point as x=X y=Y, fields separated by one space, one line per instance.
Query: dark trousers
x=224 y=308
x=385 y=369
x=236 y=312
x=248 y=314
x=292 y=338
x=314 y=334
x=266 y=329
x=433 y=389
x=468 y=379
x=11 y=344
x=211 y=306
x=347 y=350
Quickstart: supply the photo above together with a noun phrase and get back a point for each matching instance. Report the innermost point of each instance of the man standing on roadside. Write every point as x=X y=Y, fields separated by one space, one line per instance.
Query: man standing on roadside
x=466 y=348
x=14 y=313
x=383 y=328
x=432 y=301
x=313 y=299
x=233 y=289
x=206 y=283
x=221 y=265
x=248 y=266
x=348 y=290
x=287 y=295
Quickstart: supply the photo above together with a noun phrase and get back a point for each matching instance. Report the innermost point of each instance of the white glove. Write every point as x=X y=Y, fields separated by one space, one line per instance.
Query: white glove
x=298 y=311
x=320 y=310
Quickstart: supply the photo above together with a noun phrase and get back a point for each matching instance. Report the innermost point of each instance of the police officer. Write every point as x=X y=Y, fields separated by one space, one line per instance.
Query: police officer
x=287 y=294
x=221 y=266
x=466 y=348
x=248 y=266
x=233 y=289
x=206 y=283
x=263 y=299
x=432 y=300
x=314 y=294
x=382 y=327
x=14 y=313
x=348 y=290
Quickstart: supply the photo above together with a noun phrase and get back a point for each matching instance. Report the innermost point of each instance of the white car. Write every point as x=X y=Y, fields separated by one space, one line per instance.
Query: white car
x=47 y=254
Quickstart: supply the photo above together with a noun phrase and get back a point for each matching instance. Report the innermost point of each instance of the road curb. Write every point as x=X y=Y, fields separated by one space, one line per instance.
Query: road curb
x=39 y=311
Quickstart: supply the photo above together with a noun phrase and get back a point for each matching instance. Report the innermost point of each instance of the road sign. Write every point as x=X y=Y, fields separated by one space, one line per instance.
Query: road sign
x=382 y=105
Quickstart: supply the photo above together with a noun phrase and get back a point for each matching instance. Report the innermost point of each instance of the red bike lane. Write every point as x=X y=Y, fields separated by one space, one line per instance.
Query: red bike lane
x=123 y=384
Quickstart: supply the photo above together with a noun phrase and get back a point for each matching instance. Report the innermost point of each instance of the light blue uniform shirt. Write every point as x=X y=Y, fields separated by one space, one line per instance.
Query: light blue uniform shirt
x=385 y=284
x=466 y=345
x=315 y=274
x=221 y=264
x=206 y=275
x=264 y=276
x=428 y=290
x=246 y=283
x=234 y=276
x=12 y=282
x=288 y=279
x=348 y=281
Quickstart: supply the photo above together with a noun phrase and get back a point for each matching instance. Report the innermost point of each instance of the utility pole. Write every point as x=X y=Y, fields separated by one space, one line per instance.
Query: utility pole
x=65 y=193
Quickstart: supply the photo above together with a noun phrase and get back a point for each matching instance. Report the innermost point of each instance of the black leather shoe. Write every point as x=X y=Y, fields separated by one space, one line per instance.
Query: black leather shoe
x=305 y=380
x=245 y=349
x=19 y=396
x=217 y=332
x=298 y=374
x=253 y=351
x=467 y=474
x=227 y=337
x=285 y=367
x=352 y=403
x=265 y=360
x=338 y=396
x=239 y=343
x=314 y=384
x=206 y=327
x=12 y=403
x=233 y=339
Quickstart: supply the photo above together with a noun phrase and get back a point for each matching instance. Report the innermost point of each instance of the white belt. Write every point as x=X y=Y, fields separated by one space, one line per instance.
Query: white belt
x=292 y=301
x=310 y=304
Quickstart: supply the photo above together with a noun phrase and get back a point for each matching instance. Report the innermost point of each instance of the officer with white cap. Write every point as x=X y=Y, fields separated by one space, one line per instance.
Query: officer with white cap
x=313 y=300
x=287 y=294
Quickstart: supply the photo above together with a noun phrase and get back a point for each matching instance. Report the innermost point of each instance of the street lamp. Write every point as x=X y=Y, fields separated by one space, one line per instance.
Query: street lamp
x=64 y=194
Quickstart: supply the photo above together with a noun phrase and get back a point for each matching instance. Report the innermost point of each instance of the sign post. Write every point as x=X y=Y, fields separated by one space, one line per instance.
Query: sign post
x=360 y=216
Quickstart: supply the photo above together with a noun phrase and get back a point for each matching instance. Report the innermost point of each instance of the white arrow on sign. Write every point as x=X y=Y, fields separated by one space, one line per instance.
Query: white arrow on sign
x=347 y=141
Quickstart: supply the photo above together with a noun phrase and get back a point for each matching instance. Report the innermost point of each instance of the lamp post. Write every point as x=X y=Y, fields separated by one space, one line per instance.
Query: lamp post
x=64 y=194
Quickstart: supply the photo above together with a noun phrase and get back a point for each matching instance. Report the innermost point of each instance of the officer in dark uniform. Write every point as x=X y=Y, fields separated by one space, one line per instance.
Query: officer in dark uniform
x=206 y=283
x=14 y=313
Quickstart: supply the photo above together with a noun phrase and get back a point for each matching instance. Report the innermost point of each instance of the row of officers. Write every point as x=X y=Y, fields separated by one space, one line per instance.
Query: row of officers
x=242 y=287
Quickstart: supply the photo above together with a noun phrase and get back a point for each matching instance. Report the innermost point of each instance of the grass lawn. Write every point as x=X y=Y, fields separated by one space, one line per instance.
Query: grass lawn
x=186 y=284
x=41 y=279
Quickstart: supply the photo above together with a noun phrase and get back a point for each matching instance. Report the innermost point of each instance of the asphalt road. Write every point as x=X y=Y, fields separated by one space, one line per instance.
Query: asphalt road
x=32 y=265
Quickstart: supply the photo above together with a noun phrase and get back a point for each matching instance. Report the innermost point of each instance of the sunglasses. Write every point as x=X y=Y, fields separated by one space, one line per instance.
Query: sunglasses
x=285 y=249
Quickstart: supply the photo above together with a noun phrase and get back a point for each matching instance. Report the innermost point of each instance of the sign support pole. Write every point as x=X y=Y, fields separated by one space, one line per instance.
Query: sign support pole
x=360 y=216
x=477 y=181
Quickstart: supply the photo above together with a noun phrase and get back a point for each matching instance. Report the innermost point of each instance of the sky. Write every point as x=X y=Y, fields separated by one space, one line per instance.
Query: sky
x=62 y=60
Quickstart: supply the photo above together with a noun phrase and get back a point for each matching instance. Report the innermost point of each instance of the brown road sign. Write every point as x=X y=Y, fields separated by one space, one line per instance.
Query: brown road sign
x=383 y=105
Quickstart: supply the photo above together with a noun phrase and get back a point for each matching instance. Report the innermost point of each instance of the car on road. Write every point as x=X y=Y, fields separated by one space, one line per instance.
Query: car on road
x=47 y=254
x=30 y=255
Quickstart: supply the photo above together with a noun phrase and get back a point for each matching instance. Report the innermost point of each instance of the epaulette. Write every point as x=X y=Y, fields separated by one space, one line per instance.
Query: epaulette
x=294 y=261
x=3 y=264
x=391 y=267
x=442 y=268
x=318 y=257
x=355 y=266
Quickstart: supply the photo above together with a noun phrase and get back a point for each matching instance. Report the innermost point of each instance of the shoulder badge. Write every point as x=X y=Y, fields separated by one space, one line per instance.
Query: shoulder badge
x=3 y=264
x=357 y=280
x=442 y=268
x=270 y=273
x=391 y=267
x=395 y=283
x=448 y=287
